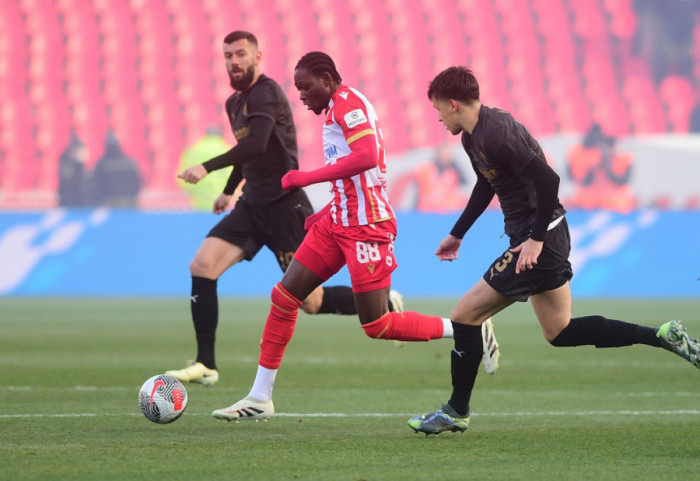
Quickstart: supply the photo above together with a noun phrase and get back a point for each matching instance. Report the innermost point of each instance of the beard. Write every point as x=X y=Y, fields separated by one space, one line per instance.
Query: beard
x=243 y=83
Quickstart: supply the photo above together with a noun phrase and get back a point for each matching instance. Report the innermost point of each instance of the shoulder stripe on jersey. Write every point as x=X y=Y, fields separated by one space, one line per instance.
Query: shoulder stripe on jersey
x=359 y=135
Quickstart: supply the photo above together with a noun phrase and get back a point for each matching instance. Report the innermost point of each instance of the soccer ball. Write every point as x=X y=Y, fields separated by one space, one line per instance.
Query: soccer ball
x=162 y=399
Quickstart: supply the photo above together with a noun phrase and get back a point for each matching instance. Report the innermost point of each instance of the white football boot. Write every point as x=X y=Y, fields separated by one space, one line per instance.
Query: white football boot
x=247 y=409
x=491 y=352
x=196 y=372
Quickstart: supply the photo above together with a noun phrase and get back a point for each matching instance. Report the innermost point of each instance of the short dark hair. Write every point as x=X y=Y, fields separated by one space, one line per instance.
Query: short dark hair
x=240 y=35
x=456 y=83
x=319 y=63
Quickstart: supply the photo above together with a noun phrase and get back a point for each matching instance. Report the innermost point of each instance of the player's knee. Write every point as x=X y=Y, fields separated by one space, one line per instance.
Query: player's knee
x=198 y=268
x=376 y=329
x=283 y=300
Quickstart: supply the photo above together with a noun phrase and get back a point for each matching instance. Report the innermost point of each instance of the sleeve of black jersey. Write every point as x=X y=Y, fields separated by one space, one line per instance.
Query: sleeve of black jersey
x=546 y=183
x=233 y=180
x=249 y=147
x=478 y=202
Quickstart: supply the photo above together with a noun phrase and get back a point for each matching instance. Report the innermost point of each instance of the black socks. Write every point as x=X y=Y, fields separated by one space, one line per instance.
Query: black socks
x=466 y=357
x=337 y=300
x=204 y=304
x=602 y=332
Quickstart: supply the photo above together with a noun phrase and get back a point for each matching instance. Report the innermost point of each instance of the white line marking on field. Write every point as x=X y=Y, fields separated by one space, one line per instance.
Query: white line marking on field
x=389 y=415
x=499 y=392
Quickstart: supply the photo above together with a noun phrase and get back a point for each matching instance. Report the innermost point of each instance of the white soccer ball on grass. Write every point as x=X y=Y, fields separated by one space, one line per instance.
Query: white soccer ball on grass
x=162 y=399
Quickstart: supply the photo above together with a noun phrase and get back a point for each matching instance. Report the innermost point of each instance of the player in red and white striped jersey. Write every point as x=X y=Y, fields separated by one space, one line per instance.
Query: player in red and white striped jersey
x=357 y=228
x=360 y=199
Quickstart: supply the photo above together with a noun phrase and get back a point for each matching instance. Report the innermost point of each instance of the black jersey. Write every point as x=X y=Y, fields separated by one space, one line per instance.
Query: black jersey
x=263 y=173
x=500 y=148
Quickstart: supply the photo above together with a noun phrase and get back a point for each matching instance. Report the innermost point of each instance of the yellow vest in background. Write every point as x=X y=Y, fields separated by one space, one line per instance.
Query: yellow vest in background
x=204 y=192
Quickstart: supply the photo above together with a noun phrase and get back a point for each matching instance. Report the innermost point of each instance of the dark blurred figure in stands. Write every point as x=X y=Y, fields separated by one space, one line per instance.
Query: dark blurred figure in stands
x=116 y=180
x=665 y=35
x=441 y=183
x=73 y=177
x=695 y=118
x=601 y=174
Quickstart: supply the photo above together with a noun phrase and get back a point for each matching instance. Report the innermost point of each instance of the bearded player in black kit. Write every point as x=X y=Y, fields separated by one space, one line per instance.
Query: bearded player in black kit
x=265 y=214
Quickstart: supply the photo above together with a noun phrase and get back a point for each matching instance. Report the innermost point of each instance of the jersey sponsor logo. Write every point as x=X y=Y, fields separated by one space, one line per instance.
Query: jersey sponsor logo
x=356 y=117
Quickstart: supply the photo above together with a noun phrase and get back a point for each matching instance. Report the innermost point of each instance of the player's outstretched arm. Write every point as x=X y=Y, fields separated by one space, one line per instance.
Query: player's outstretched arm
x=193 y=174
x=363 y=157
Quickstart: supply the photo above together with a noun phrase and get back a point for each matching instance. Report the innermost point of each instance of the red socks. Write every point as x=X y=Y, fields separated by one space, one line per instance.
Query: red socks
x=279 y=327
x=405 y=326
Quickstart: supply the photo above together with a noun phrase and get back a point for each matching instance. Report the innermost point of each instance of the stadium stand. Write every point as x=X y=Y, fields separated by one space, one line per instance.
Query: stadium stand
x=150 y=70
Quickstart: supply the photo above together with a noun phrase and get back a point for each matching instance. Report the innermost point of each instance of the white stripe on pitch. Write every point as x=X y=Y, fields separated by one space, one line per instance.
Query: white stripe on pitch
x=389 y=415
x=497 y=392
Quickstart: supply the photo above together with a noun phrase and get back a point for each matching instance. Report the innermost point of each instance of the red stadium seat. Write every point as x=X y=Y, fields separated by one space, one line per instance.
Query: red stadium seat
x=678 y=98
x=147 y=69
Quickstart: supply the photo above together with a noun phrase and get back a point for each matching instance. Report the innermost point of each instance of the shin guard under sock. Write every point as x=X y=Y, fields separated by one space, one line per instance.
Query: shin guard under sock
x=279 y=327
x=465 y=361
x=599 y=331
x=337 y=300
x=405 y=326
x=204 y=305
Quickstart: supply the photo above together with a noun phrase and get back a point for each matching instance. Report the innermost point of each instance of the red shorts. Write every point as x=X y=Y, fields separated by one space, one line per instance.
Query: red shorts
x=368 y=251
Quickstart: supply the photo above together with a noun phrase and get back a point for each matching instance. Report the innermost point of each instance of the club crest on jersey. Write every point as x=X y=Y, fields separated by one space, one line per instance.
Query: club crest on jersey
x=370 y=267
x=241 y=133
x=490 y=174
x=356 y=117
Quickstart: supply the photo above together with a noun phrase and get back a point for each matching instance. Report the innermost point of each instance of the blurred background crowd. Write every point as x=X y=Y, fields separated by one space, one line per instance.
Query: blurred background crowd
x=103 y=101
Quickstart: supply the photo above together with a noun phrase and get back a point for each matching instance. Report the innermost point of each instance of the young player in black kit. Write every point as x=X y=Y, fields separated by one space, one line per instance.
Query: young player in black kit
x=262 y=123
x=509 y=163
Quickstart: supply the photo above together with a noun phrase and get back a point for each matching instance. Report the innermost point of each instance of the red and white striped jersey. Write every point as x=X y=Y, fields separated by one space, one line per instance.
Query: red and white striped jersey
x=362 y=198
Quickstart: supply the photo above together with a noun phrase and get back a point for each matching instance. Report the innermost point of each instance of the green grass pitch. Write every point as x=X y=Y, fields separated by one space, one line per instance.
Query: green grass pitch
x=70 y=371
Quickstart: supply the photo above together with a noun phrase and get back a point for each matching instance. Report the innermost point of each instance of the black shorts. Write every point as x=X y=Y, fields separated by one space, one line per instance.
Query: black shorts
x=279 y=226
x=552 y=270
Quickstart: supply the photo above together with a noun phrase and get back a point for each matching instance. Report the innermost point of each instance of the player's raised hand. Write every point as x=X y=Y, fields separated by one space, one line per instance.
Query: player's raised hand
x=221 y=203
x=293 y=179
x=193 y=174
x=448 y=248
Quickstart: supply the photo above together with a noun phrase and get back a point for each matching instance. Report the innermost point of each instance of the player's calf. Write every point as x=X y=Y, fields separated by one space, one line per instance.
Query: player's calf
x=406 y=326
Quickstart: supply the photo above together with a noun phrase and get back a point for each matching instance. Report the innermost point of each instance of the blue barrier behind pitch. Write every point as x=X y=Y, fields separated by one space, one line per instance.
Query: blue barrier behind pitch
x=133 y=253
